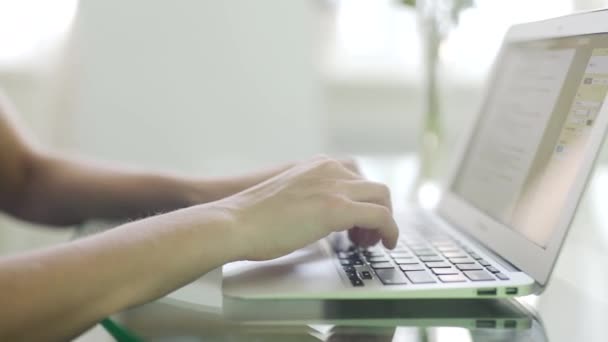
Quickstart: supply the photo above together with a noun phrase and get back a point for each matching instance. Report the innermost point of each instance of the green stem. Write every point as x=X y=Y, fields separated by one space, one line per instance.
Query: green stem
x=431 y=126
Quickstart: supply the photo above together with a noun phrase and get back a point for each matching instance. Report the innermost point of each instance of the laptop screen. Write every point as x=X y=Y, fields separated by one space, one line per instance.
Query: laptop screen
x=528 y=144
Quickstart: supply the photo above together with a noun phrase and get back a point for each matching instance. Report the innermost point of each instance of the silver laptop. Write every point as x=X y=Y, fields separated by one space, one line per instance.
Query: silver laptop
x=506 y=207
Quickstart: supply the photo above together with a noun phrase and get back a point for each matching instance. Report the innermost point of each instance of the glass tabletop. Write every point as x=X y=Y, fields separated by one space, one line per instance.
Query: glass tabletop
x=573 y=307
x=339 y=320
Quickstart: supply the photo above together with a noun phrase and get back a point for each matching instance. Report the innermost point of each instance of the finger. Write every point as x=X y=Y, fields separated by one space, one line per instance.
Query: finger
x=367 y=216
x=351 y=165
x=332 y=169
x=363 y=237
x=365 y=191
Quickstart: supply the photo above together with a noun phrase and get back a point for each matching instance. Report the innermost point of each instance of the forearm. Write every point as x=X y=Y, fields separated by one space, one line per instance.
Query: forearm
x=43 y=187
x=63 y=290
x=62 y=191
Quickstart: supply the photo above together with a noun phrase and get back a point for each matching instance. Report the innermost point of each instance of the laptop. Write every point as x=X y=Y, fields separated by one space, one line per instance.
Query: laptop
x=508 y=202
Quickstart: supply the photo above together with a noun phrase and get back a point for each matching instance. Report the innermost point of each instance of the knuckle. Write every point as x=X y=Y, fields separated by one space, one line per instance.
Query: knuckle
x=383 y=193
x=387 y=194
x=331 y=186
x=322 y=156
x=383 y=189
x=331 y=202
x=384 y=214
x=330 y=164
x=350 y=163
x=329 y=205
x=314 y=163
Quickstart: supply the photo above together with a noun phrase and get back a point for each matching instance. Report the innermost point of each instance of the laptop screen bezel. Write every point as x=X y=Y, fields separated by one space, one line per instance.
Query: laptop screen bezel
x=529 y=257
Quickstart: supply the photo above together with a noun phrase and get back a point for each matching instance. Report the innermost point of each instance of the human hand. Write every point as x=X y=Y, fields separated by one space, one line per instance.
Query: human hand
x=306 y=203
x=361 y=236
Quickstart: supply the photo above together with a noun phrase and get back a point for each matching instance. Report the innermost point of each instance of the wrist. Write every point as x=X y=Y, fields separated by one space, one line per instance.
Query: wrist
x=200 y=191
x=235 y=243
x=194 y=191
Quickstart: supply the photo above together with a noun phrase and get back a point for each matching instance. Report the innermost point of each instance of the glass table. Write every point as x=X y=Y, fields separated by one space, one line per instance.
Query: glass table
x=574 y=306
x=367 y=320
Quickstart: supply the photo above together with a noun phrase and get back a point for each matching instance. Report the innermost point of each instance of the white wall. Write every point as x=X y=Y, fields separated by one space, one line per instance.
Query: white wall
x=41 y=92
x=206 y=86
x=200 y=86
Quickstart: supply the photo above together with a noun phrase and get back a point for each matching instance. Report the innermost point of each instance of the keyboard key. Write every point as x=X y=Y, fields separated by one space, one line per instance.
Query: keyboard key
x=436 y=264
x=391 y=277
x=348 y=269
x=474 y=255
x=455 y=255
x=374 y=260
x=381 y=265
x=400 y=249
x=356 y=281
x=448 y=242
x=431 y=258
x=469 y=267
x=450 y=270
x=366 y=275
x=501 y=276
x=443 y=242
x=414 y=267
x=345 y=262
x=344 y=255
x=448 y=249
x=420 y=277
x=373 y=253
x=478 y=275
x=493 y=269
x=351 y=274
x=452 y=278
x=418 y=245
x=425 y=252
x=358 y=262
x=401 y=254
x=482 y=262
x=465 y=260
x=403 y=261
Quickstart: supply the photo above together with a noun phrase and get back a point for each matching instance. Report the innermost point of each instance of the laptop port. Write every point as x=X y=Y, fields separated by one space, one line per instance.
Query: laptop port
x=510 y=324
x=485 y=323
x=486 y=292
x=511 y=291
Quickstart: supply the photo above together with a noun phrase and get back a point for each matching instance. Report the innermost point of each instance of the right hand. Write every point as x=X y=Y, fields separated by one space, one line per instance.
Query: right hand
x=305 y=204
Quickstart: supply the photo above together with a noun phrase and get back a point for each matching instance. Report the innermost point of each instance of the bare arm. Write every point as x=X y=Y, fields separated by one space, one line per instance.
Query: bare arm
x=58 y=292
x=41 y=186
x=62 y=191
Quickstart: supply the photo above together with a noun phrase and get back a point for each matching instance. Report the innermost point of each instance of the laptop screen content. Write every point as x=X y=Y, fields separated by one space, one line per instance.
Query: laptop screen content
x=528 y=145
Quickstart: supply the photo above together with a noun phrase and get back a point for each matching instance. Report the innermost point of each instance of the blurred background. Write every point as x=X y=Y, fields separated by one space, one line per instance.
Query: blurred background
x=222 y=87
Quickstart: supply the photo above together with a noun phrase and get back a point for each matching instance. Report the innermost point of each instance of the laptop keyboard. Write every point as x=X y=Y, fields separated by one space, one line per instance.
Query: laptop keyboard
x=424 y=255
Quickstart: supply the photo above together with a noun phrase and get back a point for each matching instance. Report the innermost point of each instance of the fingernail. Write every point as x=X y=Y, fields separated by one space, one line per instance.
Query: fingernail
x=389 y=245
